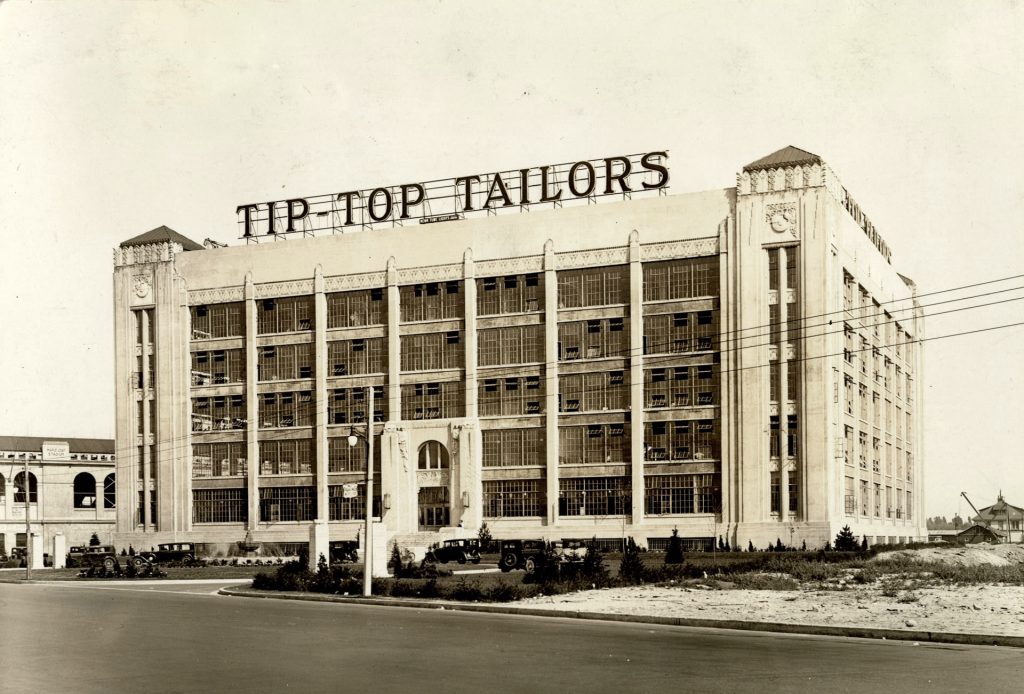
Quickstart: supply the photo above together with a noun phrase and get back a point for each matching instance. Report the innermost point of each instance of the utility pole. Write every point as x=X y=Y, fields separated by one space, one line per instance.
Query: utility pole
x=368 y=560
x=28 y=525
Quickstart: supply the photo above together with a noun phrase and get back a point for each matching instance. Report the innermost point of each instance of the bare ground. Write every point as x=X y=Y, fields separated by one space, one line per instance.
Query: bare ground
x=887 y=603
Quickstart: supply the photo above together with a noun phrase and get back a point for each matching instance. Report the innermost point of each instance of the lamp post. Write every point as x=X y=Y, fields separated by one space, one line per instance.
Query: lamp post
x=353 y=439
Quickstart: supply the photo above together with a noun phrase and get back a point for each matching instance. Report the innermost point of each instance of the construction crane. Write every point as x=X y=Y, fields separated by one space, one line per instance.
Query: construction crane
x=976 y=512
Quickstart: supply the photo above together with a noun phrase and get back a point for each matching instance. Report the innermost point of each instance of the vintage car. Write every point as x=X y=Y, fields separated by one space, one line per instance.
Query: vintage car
x=344 y=551
x=172 y=552
x=530 y=554
x=461 y=551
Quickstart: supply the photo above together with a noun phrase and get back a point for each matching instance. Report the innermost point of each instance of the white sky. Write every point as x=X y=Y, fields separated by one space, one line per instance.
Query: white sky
x=118 y=117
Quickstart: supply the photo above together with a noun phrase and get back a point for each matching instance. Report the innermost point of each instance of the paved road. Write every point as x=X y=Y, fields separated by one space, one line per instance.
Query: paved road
x=176 y=637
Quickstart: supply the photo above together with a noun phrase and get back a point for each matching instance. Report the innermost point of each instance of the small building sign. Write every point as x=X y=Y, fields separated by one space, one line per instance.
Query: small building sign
x=56 y=450
x=349 y=491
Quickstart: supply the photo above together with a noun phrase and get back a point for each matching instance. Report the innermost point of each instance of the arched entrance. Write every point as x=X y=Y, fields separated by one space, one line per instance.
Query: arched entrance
x=434 y=499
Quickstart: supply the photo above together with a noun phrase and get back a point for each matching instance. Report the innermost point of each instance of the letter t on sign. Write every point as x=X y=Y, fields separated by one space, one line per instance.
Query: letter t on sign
x=248 y=217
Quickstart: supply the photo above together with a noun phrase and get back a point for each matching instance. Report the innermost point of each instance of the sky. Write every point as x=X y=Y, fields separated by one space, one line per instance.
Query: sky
x=118 y=117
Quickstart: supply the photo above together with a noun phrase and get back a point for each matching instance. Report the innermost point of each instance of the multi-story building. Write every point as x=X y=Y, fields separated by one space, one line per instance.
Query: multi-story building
x=738 y=363
x=71 y=491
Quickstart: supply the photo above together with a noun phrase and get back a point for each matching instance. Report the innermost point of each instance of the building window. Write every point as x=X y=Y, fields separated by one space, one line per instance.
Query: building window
x=217 y=320
x=593 y=339
x=509 y=294
x=511 y=396
x=349 y=405
x=681 y=386
x=775 y=491
x=681 y=440
x=792 y=436
x=594 y=496
x=354 y=508
x=285 y=314
x=773 y=436
x=357 y=308
x=109 y=491
x=520 y=344
x=431 y=301
x=218 y=413
x=292 y=457
x=430 y=351
x=677 y=494
x=3 y=489
x=680 y=333
x=849 y=498
x=218 y=459
x=287 y=504
x=219 y=506
x=686 y=278
x=593 y=444
x=593 y=392
x=514 y=498
x=216 y=367
x=513 y=447
x=433 y=400
x=432 y=456
x=286 y=409
x=342 y=457
x=354 y=357
x=19 y=488
x=593 y=287
x=285 y=362
x=84 y=490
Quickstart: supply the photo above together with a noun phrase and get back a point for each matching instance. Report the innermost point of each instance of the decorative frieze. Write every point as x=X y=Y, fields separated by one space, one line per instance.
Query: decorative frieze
x=509 y=266
x=146 y=253
x=366 y=280
x=219 y=295
x=691 y=248
x=272 y=290
x=597 y=257
x=434 y=273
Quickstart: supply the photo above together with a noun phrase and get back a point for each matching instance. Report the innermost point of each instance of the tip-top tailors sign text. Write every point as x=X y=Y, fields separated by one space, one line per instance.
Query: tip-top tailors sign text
x=453 y=198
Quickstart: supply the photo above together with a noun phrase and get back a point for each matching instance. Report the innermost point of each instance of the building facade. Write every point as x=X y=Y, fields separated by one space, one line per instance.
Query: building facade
x=738 y=363
x=71 y=489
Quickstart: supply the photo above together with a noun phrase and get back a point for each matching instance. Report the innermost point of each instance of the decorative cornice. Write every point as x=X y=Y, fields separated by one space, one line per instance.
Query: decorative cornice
x=783 y=178
x=198 y=297
x=366 y=280
x=691 y=248
x=433 y=273
x=509 y=266
x=275 y=289
x=146 y=253
x=592 y=258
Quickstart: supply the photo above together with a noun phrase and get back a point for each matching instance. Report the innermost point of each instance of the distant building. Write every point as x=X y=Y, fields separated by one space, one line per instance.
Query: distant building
x=71 y=489
x=741 y=362
x=1006 y=519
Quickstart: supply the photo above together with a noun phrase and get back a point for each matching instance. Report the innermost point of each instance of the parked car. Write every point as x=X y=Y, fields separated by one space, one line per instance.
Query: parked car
x=521 y=554
x=344 y=550
x=172 y=552
x=74 y=557
x=462 y=551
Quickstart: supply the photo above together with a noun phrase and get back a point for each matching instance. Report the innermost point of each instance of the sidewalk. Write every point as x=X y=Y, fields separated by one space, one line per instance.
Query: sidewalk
x=743 y=625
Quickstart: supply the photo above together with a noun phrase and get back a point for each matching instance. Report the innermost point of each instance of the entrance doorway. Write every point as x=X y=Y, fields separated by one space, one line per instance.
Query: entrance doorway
x=434 y=508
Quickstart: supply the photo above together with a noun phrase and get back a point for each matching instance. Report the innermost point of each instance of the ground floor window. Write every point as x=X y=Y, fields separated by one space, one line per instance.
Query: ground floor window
x=353 y=508
x=594 y=496
x=219 y=506
x=514 y=498
x=287 y=504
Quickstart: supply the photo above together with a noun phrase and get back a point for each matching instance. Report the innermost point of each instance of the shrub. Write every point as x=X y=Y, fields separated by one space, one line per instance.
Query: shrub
x=632 y=569
x=484 y=536
x=845 y=540
x=674 y=553
x=94 y=540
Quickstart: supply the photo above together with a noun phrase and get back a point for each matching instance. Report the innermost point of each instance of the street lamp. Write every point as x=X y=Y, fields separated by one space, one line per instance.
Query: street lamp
x=353 y=439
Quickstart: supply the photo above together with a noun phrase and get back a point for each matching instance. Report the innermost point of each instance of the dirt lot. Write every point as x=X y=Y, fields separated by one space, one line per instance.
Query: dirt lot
x=889 y=602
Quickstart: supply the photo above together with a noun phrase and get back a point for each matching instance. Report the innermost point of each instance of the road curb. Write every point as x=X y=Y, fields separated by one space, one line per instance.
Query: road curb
x=739 y=625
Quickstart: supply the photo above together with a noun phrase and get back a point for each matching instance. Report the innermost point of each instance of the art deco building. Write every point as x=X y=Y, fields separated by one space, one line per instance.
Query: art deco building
x=738 y=363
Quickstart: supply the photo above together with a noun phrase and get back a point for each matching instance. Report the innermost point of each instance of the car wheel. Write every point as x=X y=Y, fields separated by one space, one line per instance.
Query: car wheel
x=138 y=562
x=476 y=560
x=109 y=563
x=509 y=561
x=530 y=565
x=187 y=560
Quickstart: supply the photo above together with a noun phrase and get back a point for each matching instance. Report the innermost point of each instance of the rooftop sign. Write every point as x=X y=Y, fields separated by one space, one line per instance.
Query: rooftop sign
x=455 y=198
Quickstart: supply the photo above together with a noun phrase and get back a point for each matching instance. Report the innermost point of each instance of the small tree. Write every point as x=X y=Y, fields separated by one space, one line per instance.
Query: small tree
x=674 y=552
x=395 y=562
x=803 y=546
x=484 y=536
x=721 y=544
x=727 y=547
x=845 y=540
x=593 y=568
x=828 y=546
x=94 y=541
x=864 y=542
x=750 y=546
x=131 y=551
x=779 y=547
x=632 y=569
